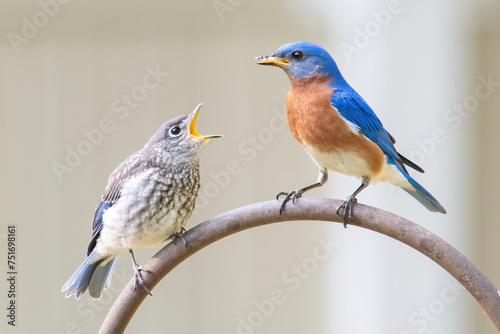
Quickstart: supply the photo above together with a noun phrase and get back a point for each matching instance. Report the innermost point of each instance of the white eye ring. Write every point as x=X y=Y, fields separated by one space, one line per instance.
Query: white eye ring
x=174 y=131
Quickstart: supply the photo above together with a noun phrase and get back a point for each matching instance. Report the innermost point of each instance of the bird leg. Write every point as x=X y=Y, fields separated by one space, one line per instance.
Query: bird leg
x=137 y=274
x=178 y=235
x=348 y=205
x=294 y=194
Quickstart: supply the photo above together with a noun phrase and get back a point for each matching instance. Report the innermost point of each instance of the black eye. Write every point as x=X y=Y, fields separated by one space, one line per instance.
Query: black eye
x=297 y=55
x=174 y=131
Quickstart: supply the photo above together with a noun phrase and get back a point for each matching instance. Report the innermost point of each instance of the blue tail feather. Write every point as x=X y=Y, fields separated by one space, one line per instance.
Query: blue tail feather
x=423 y=196
x=92 y=276
x=101 y=279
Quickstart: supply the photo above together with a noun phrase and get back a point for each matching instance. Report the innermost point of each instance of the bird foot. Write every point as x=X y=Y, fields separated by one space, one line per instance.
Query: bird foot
x=178 y=235
x=138 y=280
x=292 y=195
x=347 y=207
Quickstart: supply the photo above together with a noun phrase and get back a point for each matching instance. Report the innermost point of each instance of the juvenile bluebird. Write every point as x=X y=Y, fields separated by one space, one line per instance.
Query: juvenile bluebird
x=337 y=128
x=148 y=199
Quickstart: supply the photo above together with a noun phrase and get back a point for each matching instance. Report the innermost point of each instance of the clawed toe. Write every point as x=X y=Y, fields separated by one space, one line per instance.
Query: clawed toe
x=292 y=195
x=138 y=280
x=281 y=193
x=347 y=208
x=140 y=268
x=179 y=235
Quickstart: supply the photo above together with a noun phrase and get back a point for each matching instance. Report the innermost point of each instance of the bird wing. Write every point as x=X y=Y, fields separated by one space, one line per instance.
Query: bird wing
x=112 y=193
x=354 y=109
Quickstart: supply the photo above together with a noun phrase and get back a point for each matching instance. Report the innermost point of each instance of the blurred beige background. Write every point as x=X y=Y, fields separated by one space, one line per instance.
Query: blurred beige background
x=70 y=67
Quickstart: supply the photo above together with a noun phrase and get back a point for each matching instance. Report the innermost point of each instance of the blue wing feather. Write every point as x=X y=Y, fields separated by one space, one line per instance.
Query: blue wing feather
x=97 y=223
x=353 y=108
x=122 y=173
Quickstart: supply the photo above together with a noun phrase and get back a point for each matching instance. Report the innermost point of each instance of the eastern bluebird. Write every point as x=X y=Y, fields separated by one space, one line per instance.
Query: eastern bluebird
x=337 y=128
x=148 y=199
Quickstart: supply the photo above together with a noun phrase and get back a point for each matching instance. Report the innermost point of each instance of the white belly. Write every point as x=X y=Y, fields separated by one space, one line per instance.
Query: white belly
x=391 y=174
x=343 y=162
x=351 y=164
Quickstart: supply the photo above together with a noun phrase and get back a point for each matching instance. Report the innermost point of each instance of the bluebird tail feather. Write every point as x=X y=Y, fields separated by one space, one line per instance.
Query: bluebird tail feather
x=92 y=276
x=101 y=279
x=424 y=197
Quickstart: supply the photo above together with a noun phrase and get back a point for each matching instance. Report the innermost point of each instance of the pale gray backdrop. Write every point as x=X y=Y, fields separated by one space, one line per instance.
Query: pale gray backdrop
x=67 y=67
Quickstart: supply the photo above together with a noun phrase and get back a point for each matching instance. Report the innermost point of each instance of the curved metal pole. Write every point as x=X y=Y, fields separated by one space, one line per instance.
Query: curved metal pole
x=264 y=213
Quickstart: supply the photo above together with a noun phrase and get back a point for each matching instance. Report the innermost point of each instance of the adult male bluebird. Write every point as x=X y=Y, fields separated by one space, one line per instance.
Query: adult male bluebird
x=148 y=199
x=337 y=128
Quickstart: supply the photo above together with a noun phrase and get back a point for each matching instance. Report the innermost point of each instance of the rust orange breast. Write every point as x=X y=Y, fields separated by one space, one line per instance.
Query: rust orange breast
x=314 y=122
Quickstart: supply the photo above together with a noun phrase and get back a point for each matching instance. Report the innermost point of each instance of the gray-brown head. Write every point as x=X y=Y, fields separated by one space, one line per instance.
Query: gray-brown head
x=178 y=139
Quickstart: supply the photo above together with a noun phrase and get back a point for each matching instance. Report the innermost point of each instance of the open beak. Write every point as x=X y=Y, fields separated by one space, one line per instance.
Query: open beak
x=271 y=60
x=192 y=126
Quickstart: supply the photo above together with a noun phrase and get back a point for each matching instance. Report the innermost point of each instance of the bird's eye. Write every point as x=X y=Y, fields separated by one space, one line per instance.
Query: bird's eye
x=174 y=131
x=297 y=55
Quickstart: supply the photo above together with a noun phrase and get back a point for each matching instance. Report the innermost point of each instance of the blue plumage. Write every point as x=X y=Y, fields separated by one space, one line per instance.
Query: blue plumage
x=97 y=223
x=92 y=275
x=339 y=133
x=419 y=192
